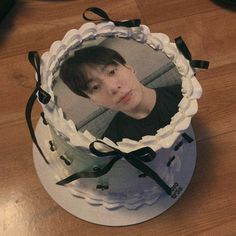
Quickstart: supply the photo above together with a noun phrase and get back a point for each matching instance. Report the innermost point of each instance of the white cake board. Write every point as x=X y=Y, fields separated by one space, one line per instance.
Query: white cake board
x=98 y=214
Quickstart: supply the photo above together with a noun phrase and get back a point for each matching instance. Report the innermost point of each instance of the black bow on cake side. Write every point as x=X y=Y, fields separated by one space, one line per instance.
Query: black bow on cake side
x=135 y=158
x=42 y=95
x=182 y=47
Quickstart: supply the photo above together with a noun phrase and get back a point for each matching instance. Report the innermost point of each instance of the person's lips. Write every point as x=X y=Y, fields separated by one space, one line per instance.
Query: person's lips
x=126 y=97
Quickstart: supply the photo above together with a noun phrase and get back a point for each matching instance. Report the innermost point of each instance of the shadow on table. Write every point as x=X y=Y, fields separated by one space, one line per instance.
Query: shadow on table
x=7 y=22
x=227 y=4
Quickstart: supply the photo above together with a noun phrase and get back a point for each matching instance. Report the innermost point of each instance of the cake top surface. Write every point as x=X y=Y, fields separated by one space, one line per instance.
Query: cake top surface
x=152 y=56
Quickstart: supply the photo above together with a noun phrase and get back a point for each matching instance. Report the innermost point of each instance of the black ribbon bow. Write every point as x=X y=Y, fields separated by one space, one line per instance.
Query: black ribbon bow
x=105 y=17
x=181 y=45
x=135 y=158
x=43 y=96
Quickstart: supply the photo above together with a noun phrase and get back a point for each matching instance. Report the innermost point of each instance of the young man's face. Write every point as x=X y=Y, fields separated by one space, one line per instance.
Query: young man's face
x=115 y=87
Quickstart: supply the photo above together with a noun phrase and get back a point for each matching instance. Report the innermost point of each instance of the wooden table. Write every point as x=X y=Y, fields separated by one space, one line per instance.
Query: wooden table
x=209 y=205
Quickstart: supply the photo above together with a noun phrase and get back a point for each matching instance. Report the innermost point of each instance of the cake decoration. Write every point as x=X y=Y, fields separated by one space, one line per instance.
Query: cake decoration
x=88 y=165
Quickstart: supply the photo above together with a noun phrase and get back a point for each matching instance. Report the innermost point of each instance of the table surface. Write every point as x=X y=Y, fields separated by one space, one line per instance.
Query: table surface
x=208 y=207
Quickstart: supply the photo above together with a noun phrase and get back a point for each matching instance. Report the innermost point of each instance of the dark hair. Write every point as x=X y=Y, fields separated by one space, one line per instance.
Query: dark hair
x=73 y=70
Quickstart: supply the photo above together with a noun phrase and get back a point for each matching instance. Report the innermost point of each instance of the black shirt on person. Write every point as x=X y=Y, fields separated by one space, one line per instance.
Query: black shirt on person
x=123 y=126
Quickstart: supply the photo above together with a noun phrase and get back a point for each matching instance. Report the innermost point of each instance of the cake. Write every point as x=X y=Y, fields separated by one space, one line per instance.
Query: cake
x=98 y=170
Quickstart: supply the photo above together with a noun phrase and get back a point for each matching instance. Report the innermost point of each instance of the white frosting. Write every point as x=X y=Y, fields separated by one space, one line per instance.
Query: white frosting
x=75 y=140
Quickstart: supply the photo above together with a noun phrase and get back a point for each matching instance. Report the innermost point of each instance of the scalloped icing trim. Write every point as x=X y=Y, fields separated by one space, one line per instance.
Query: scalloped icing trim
x=60 y=50
x=130 y=202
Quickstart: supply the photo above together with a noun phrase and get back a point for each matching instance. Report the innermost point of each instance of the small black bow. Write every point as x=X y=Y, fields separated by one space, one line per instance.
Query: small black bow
x=105 y=17
x=43 y=96
x=181 y=45
x=135 y=158
x=34 y=59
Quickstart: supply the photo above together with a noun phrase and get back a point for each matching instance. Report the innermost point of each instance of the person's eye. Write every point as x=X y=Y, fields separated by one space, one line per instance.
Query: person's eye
x=112 y=72
x=95 y=87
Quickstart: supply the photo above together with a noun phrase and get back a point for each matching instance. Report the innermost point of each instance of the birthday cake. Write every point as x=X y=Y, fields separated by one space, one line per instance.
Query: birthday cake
x=128 y=173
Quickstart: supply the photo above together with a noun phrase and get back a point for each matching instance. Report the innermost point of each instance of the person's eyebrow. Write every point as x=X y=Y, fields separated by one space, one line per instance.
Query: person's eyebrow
x=103 y=69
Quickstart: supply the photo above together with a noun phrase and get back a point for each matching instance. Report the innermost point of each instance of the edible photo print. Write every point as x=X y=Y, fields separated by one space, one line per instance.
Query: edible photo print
x=118 y=88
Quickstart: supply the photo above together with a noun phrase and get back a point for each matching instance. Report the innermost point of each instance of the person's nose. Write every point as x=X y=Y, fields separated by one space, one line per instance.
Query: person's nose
x=113 y=86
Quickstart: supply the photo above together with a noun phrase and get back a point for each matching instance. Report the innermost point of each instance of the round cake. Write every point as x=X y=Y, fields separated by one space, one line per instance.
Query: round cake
x=127 y=173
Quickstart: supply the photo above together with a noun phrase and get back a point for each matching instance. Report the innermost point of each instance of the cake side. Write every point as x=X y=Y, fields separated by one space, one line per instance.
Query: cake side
x=124 y=185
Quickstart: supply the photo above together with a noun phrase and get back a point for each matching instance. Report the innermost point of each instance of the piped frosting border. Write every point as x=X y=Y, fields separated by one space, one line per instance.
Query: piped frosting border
x=60 y=50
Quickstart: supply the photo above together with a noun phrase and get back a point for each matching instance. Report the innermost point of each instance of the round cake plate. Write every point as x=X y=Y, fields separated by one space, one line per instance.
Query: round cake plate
x=99 y=214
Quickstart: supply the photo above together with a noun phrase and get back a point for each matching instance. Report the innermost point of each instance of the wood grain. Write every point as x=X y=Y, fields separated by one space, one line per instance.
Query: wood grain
x=209 y=205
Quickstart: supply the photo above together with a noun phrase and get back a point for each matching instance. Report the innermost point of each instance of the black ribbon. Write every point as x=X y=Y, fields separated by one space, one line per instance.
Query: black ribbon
x=187 y=137
x=135 y=158
x=105 y=17
x=43 y=96
x=181 y=45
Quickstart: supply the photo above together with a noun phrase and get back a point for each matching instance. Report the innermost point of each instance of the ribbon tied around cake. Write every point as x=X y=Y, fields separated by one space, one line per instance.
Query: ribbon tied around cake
x=43 y=96
x=136 y=158
x=104 y=17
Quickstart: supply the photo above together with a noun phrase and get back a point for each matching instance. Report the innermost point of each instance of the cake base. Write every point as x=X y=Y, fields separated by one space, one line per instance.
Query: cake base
x=98 y=214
